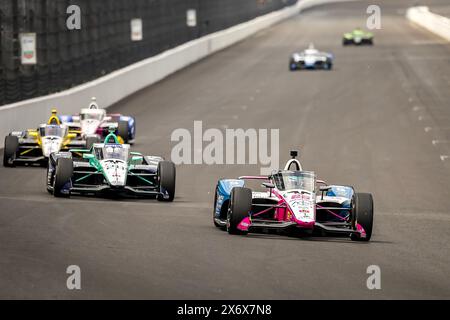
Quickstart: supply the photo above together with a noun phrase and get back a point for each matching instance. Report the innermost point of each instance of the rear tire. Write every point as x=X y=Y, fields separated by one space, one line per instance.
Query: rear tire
x=122 y=131
x=364 y=215
x=11 y=148
x=240 y=206
x=132 y=134
x=167 y=178
x=63 y=174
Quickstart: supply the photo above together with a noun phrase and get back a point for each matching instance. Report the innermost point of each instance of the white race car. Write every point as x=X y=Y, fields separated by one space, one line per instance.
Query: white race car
x=93 y=124
x=311 y=58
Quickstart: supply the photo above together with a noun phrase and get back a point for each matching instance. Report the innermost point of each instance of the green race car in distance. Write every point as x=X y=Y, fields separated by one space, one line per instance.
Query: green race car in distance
x=358 y=37
x=110 y=168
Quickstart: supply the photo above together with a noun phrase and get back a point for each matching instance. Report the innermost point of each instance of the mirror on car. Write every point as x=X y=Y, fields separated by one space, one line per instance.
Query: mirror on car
x=268 y=185
x=137 y=159
x=88 y=156
x=324 y=188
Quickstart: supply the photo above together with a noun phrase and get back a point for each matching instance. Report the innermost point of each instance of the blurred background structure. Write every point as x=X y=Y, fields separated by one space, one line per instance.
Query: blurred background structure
x=66 y=58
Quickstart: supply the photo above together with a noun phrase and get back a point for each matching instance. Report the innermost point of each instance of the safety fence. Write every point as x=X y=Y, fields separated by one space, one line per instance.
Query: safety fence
x=66 y=58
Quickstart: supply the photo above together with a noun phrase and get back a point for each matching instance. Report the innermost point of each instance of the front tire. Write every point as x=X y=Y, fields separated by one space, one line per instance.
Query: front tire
x=240 y=206
x=167 y=178
x=63 y=175
x=364 y=215
x=11 y=148
x=292 y=66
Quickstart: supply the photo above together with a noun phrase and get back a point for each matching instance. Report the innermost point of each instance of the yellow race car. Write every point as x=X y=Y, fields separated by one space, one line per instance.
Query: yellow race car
x=34 y=146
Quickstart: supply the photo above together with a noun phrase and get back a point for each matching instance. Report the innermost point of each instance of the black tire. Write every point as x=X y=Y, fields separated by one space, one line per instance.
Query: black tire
x=90 y=141
x=134 y=132
x=364 y=214
x=328 y=65
x=122 y=131
x=292 y=66
x=11 y=148
x=240 y=206
x=63 y=174
x=167 y=178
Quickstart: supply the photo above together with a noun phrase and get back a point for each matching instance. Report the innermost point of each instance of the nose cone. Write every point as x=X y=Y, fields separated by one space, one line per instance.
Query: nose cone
x=302 y=206
x=50 y=145
x=115 y=172
x=89 y=126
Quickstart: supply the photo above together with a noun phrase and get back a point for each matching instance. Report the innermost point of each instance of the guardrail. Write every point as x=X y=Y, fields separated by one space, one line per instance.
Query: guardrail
x=121 y=83
x=434 y=23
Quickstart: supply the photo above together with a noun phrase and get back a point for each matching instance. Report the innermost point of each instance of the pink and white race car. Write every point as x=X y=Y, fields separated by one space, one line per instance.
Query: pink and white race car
x=293 y=202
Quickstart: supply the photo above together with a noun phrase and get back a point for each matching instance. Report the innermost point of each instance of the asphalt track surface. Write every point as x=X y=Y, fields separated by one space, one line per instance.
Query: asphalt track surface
x=441 y=8
x=370 y=123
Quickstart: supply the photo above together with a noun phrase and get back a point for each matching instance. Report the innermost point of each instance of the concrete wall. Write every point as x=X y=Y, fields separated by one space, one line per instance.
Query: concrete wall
x=434 y=23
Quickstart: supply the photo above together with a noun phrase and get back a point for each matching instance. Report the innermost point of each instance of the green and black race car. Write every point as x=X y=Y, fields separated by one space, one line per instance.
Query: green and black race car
x=358 y=37
x=110 y=168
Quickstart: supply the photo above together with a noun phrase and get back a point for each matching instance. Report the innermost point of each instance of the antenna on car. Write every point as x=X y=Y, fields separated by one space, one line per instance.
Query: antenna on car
x=111 y=135
x=93 y=104
x=293 y=161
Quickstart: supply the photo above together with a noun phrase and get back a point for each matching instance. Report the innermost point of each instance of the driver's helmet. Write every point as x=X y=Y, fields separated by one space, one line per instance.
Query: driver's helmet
x=93 y=104
x=311 y=49
x=295 y=182
x=54 y=118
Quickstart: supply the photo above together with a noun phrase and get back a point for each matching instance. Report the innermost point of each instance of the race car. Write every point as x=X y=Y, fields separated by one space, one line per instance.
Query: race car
x=311 y=58
x=93 y=124
x=110 y=168
x=357 y=37
x=35 y=146
x=291 y=202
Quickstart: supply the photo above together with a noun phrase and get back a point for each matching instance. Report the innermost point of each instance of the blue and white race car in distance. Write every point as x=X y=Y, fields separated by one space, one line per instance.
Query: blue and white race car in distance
x=311 y=58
